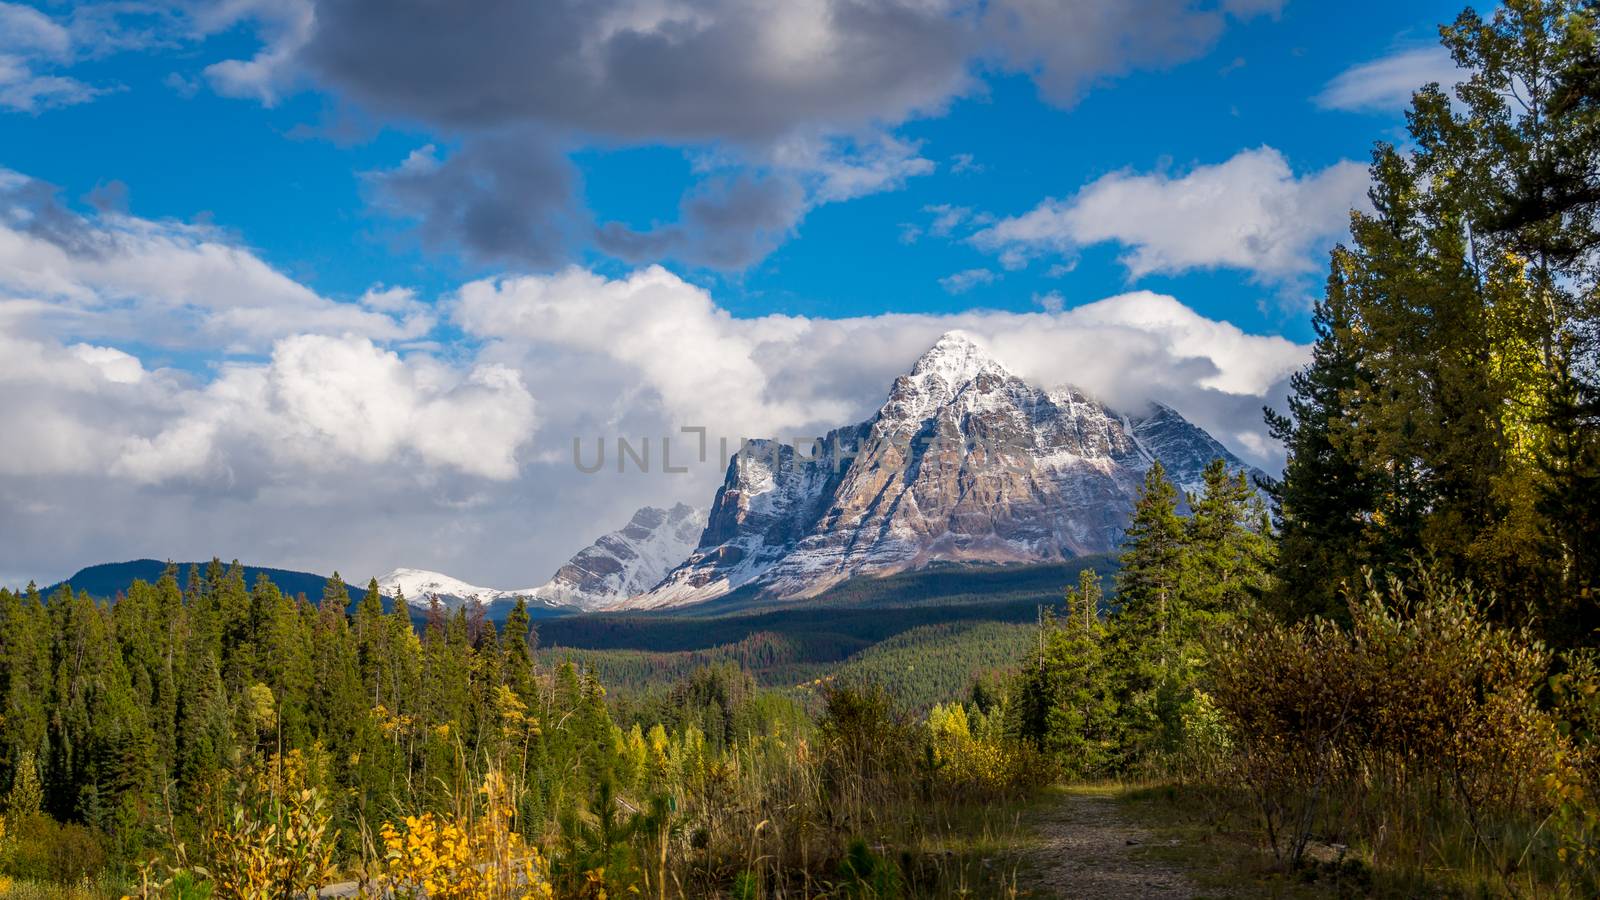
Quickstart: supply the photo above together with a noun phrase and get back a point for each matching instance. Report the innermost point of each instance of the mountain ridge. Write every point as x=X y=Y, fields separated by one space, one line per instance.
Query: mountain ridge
x=105 y=580
x=618 y=564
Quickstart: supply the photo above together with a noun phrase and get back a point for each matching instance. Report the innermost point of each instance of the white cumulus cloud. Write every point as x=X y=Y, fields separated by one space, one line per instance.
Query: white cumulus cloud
x=700 y=363
x=679 y=359
x=112 y=275
x=326 y=403
x=1250 y=212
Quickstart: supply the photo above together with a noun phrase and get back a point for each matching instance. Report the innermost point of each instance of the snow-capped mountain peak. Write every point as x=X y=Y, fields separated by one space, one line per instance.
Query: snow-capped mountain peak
x=421 y=587
x=627 y=561
x=955 y=367
x=956 y=359
x=963 y=462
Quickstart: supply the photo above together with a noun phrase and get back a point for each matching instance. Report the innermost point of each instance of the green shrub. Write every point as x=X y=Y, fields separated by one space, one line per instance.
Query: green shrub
x=867 y=875
x=42 y=849
x=1421 y=717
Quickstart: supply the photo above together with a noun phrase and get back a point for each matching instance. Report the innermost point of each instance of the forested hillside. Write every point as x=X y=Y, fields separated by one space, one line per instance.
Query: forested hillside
x=935 y=664
x=916 y=668
x=105 y=580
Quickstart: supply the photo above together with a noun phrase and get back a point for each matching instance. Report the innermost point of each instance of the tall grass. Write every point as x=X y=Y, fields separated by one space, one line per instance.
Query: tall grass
x=867 y=803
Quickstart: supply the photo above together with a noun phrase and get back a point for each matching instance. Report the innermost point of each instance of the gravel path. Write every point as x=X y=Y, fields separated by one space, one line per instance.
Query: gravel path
x=1089 y=850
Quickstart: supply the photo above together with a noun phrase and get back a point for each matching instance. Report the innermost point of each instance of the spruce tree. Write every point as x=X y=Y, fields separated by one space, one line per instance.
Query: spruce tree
x=337 y=696
x=1150 y=681
x=519 y=666
x=1150 y=580
x=283 y=658
x=372 y=639
x=1324 y=503
x=1569 y=504
x=1228 y=550
x=1060 y=699
x=24 y=676
x=145 y=623
x=204 y=720
x=401 y=670
x=100 y=767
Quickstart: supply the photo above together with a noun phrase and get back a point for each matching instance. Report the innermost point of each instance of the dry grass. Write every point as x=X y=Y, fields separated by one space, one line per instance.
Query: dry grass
x=1214 y=833
x=33 y=890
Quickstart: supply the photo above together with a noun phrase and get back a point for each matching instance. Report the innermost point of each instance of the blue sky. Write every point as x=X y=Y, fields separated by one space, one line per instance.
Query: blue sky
x=269 y=261
x=291 y=186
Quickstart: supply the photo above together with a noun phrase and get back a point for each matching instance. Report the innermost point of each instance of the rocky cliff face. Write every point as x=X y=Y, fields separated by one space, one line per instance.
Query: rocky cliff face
x=964 y=461
x=628 y=561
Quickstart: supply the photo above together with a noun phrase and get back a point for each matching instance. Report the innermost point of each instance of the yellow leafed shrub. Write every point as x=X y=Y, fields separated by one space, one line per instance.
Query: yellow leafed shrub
x=475 y=856
x=274 y=838
x=984 y=764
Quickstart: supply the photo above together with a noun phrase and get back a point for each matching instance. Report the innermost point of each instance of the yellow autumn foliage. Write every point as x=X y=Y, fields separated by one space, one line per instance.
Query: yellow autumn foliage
x=274 y=838
x=979 y=763
x=475 y=856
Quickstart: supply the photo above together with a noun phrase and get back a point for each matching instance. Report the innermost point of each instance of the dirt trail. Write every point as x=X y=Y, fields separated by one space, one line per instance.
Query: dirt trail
x=1089 y=849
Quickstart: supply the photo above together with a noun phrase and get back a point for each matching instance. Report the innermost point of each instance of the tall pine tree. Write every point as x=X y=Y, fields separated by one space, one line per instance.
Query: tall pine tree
x=1145 y=649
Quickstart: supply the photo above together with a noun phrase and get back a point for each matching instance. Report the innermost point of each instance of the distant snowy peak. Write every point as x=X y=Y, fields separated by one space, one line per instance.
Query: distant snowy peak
x=617 y=565
x=420 y=587
x=1184 y=448
x=769 y=500
x=629 y=561
x=963 y=462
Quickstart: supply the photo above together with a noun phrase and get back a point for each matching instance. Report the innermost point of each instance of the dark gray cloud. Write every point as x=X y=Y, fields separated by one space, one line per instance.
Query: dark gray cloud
x=692 y=72
x=34 y=207
x=728 y=222
x=714 y=70
x=1068 y=47
x=507 y=199
x=109 y=196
